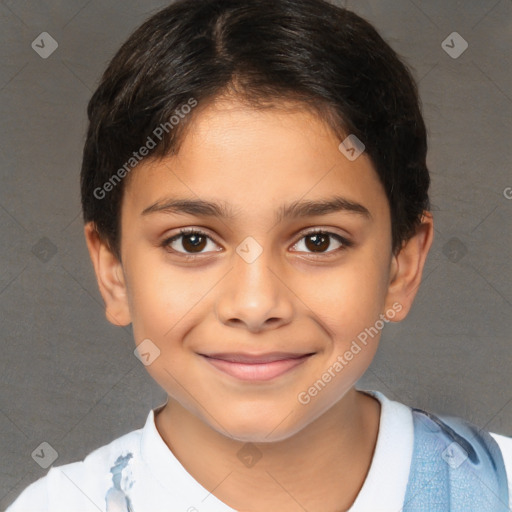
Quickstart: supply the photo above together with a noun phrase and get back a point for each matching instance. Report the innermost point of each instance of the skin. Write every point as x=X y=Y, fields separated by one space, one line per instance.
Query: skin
x=292 y=298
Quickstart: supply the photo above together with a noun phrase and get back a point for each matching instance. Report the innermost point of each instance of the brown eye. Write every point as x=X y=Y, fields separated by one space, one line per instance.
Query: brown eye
x=188 y=242
x=320 y=241
x=317 y=242
x=194 y=242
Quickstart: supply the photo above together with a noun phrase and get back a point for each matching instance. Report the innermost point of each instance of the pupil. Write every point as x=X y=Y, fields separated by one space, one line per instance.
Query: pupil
x=319 y=241
x=194 y=242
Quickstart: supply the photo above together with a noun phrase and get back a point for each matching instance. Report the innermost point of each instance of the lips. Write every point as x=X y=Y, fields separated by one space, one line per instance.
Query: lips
x=256 y=367
x=255 y=358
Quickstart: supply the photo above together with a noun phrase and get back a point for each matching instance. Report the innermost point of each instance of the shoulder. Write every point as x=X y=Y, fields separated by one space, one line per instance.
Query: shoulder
x=505 y=444
x=80 y=485
x=461 y=462
x=422 y=453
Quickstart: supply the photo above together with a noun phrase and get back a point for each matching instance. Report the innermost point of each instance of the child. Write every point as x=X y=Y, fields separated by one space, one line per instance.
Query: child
x=255 y=193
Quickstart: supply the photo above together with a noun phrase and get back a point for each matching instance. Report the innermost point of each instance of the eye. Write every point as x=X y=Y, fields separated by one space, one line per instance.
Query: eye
x=318 y=241
x=193 y=241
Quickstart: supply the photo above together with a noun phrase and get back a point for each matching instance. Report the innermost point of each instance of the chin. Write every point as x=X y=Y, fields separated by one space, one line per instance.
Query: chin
x=260 y=429
x=256 y=435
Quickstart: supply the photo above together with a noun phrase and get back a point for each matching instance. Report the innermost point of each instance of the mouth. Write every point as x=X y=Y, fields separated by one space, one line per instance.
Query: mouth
x=256 y=367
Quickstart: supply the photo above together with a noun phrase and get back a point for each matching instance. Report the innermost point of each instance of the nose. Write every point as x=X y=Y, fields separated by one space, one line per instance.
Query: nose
x=254 y=295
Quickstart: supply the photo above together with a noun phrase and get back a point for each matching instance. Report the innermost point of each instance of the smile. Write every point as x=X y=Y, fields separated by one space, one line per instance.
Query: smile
x=256 y=367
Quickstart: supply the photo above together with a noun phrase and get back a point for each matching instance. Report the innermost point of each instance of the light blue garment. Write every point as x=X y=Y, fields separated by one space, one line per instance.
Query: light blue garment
x=455 y=467
x=116 y=499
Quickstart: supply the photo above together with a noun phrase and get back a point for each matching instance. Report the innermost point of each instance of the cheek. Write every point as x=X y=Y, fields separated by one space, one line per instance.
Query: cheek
x=163 y=299
x=348 y=304
x=348 y=299
x=154 y=309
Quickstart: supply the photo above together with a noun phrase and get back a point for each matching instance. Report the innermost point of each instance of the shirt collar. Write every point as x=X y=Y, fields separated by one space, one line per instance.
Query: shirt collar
x=385 y=483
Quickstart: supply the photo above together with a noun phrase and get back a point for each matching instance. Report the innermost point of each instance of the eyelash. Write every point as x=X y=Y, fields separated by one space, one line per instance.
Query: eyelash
x=345 y=244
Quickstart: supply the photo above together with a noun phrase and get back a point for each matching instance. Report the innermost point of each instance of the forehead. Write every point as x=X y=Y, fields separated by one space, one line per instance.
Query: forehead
x=255 y=160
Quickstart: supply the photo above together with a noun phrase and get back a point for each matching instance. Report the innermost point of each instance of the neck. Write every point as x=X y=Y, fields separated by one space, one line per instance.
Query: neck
x=321 y=468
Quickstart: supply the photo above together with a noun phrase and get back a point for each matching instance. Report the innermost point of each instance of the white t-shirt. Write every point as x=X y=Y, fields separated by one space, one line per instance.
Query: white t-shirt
x=138 y=472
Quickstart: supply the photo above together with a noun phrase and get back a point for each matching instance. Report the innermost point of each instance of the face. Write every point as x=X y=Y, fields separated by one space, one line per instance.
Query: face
x=258 y=312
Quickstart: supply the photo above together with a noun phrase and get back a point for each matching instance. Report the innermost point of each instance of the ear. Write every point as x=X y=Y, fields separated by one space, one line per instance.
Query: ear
x=110 y=277
x=407 y=268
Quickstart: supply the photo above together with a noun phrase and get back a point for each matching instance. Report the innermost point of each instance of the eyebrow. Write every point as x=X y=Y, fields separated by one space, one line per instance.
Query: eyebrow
x=296 y=209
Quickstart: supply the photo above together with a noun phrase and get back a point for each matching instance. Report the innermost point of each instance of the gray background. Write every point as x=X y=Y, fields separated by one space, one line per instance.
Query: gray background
x=69 y=378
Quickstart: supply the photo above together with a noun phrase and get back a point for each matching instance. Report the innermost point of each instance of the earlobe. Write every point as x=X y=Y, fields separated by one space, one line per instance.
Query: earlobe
x=110 y=277
x=407 y=267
